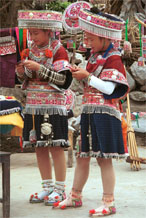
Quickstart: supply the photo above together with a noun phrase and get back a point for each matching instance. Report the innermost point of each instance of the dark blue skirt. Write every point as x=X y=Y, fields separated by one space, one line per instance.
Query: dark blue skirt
x=59 y=127
x=103 y=138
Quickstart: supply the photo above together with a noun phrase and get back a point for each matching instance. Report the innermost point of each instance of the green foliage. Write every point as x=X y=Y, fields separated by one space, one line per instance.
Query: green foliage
x=57 y=6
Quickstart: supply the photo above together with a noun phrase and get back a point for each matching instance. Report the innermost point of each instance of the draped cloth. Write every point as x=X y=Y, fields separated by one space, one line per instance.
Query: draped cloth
x=11 y=117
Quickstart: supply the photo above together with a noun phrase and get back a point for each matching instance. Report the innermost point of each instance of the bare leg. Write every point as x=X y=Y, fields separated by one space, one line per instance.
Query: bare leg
x=108 y=182
x=80 y=177
x=44 y=162
x=59 y=160
x=81 y=174
x=45 y=167
x=108 y=177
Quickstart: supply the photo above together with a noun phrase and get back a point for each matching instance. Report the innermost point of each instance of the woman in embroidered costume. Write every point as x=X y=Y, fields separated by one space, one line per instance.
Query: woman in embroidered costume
x=105 y=84
x=44 y=73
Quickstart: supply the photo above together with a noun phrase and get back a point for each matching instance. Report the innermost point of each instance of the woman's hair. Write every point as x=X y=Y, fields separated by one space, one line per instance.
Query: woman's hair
x=39 y=4
x=95 y=10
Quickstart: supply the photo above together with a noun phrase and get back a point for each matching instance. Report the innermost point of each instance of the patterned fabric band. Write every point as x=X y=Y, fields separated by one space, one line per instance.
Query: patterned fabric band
x=53 y=77
x=43 y=98
x=95 y=103
x=61 y=65
x=6 y=39
x=114 y=76
x=102 y=25
x=7 y=45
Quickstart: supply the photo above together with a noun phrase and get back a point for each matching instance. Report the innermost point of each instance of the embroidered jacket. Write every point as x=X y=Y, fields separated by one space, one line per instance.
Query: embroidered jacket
x=44 y=88
x=111 y=69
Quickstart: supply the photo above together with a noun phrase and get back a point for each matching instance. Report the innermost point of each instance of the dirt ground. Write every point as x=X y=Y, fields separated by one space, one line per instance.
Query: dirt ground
x=130 y=192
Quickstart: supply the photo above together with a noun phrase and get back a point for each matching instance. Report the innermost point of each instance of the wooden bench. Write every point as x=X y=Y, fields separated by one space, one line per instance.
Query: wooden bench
x=5 y=200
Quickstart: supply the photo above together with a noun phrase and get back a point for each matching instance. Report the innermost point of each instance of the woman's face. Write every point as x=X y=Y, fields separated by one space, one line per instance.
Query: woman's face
x=39 y=37
x=93 y=41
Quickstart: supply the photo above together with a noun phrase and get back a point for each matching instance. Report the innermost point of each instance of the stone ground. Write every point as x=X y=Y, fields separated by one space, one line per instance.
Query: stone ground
x=130 y=192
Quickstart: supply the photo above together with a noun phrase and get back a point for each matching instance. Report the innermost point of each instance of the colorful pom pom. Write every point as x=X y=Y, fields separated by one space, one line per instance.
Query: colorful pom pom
x=48 y=53
x=25 y=54
x=63 y=207
x=91 y=211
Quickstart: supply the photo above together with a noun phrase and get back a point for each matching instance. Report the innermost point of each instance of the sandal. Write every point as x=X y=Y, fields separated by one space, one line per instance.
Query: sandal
x=56 y=196
x=105 y=210
x=71 y=201
x=38 y=198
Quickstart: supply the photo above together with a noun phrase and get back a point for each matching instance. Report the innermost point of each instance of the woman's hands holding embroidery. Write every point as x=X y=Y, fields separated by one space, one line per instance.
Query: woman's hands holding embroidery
x=79 y=73
x=31 y=65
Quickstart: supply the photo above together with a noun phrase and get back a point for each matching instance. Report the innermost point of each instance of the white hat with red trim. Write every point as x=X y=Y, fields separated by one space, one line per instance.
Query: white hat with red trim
x=41 y=19
x=101 y=24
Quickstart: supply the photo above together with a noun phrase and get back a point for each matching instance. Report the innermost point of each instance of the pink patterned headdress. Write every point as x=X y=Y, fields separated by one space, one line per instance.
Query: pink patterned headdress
x=71 y=16
x=101 y=24
x=41 y=19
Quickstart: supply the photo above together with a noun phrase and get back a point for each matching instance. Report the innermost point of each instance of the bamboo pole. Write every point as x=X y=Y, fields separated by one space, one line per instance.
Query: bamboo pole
x=132 y=140
x=70 y=133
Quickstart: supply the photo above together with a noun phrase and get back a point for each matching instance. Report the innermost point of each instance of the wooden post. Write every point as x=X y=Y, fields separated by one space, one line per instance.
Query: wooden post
x=74 y=49
x=5 y=200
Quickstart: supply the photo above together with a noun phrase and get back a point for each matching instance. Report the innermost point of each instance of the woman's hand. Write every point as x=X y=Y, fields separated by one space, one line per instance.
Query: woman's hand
x=32 y=65
x=20 y=69
x=79 y=73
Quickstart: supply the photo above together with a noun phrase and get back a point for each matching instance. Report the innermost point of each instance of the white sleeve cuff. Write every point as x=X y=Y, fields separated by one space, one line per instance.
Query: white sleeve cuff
x=105 y=87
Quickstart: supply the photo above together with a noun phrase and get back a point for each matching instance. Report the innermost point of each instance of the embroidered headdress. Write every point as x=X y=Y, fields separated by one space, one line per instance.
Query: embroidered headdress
x=101 y=24
x=70 y=16
x=141 y=19
x=41 y=19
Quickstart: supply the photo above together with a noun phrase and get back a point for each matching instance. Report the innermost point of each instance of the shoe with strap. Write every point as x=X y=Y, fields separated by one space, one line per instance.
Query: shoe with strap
x=39 y=197
x=73 y=200
x=107 y=208
x=56 y=196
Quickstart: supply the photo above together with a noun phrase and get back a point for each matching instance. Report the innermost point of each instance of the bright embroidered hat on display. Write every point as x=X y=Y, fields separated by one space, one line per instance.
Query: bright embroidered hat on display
x=41 y=19
x=141 y=19
x=101 y=24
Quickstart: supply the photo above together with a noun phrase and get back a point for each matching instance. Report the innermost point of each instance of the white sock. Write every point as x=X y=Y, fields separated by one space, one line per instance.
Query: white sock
x=60 y=185
x=47 y=183
x=59 y=189
x=48 y=187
